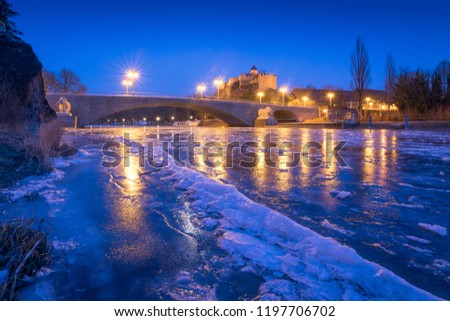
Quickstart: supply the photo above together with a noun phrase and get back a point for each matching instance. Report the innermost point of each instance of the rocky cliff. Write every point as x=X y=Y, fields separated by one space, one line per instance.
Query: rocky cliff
x=24 y=111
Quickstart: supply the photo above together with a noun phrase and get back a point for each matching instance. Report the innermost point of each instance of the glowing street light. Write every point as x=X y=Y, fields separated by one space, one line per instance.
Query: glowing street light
x=132 y=76
x=283 y=91
x=305 y=99
x=331 y=95
x=201 y=89
x=260 y=95
x=158 y=118
x=127 y=84
x=172 y=118
x=218 y=82
x=190 y=117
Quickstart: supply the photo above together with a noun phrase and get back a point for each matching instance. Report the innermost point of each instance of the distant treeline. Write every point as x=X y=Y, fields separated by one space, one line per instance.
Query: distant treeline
x=421 y=91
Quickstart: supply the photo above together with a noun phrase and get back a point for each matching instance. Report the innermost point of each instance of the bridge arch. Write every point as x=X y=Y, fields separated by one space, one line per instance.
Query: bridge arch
x=282 y=115
x=227 y=118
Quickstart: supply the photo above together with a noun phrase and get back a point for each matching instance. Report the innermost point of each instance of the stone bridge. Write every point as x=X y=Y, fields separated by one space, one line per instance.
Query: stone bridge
x=91 y=108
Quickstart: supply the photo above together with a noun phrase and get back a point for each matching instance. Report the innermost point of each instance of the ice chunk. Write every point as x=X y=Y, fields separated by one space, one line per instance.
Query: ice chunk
x=406 y=185
x=417 y=239
x=412 y=206
x=327 y=224
x=340 y=194
x=418 y=249
x=434 y=228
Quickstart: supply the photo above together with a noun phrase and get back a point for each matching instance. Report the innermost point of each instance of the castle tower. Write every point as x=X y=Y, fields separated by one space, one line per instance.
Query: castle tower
x=254 y=71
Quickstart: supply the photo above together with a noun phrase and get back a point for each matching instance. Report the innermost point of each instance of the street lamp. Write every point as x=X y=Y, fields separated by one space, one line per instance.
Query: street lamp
x=172 y=118
x=200 y=89
x=367 y=102
x=260 y=95
x=283 y=91
x=132 y=76
x=158 y=118
x=218 y=82
x=126 y=83
x=330 y=95
x=305 y=99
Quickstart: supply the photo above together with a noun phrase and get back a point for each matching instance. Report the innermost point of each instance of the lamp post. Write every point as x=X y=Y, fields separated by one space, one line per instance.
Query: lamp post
x=367 y=102
x=127 y=84
x=305 y=99
x=218 y=82
x=260 y=95
x=283 y=91
x=132 y=76
x=200 y=89
x=331 y=95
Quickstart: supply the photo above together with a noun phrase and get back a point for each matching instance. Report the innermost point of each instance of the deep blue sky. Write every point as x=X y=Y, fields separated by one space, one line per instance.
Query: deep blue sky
x=179 y=43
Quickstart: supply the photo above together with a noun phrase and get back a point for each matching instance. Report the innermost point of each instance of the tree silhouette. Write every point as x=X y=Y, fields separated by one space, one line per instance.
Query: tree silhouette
x=6 y=13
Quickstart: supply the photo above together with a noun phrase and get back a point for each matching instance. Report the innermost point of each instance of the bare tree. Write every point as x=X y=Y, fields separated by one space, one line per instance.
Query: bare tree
x=64 y=82
x=50 y=84
x=360 y=70
x=69 y=82
x=389 y=82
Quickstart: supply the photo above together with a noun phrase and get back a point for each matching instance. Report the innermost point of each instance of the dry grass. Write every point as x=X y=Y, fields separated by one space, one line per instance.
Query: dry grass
x=45 y=144
x=24 y=249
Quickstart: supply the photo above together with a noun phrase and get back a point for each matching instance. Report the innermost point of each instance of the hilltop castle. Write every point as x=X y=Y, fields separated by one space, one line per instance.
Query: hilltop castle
x=263 y=80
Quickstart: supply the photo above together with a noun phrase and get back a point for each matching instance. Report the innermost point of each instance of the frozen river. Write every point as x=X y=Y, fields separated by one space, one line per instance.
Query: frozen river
x=372 y=228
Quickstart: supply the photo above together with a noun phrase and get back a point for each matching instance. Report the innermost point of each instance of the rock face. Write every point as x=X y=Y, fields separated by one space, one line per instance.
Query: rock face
x=22 y=95
x=24 y=111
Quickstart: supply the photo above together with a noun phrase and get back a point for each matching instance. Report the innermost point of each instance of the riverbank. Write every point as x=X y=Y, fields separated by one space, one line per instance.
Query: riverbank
x=392 y=125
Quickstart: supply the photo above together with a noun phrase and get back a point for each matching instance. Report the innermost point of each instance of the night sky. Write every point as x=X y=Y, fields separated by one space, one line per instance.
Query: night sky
x=178 y=43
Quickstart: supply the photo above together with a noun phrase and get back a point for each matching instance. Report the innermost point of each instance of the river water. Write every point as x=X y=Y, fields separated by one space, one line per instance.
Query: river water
x=372 y=227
